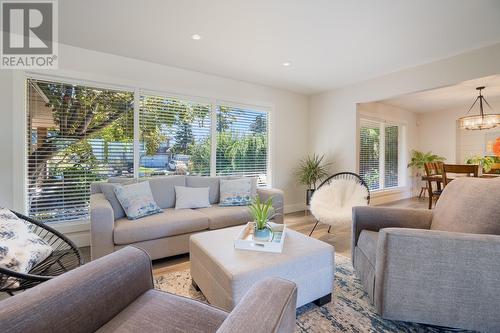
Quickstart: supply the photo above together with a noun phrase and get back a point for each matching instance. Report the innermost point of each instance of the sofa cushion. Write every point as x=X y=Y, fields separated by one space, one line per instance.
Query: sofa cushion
x=469 y=205
x=108 y=189
x=163 y=189
x=367 y=243
x=169 y=223
x=156 y=311
x=210 y=182
x=222 y=217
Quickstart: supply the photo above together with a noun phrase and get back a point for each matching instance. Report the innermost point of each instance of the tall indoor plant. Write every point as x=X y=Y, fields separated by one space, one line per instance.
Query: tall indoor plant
x=418 y=160
x=311 y=170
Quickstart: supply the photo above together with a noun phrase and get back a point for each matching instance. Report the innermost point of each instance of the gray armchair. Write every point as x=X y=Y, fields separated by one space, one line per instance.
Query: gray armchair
x=115 y=294
x=438 y=267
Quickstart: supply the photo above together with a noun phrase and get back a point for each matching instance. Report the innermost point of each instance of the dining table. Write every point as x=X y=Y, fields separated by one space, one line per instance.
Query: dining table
x=439 y=178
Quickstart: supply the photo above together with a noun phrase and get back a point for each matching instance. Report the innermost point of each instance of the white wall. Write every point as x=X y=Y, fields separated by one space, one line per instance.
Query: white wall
x=410 y=141
x=439 y=133
x=332 y=122
x=6 y=142
x=289 y=119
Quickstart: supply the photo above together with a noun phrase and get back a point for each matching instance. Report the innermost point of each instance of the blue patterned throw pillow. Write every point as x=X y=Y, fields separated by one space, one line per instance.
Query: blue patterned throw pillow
x=137 y=200
x=236 y=192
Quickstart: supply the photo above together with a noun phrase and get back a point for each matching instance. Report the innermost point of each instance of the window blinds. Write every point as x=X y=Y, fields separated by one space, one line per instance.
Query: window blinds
x=79 y=134
x=369 y=153
x=174 y=137
x=379 y=153
x=242 y=143
x=75 y=135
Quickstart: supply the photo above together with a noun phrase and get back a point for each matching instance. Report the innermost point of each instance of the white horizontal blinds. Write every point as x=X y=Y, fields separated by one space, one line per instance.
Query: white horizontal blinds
x=391 y=157
x=369 y=153
x=75 y=135
x=174 y=136
x=242 y=142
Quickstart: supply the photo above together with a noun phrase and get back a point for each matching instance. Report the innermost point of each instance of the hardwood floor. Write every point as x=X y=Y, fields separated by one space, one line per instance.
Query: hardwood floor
x=300 y=221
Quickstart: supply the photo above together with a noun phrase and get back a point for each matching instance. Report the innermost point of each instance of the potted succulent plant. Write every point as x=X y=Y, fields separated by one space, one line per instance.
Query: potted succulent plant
x=311 y=170
x=262 y=213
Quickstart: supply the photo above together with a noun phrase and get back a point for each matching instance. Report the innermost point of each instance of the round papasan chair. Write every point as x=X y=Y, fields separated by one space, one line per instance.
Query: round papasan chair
x=333 y=200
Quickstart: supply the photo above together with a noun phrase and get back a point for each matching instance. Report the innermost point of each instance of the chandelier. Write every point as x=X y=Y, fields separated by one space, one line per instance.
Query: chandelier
x=481 y=121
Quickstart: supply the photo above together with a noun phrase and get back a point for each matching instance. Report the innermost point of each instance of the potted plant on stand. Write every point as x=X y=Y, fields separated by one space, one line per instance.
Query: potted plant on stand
x=262 y=213
x=312 y=170
x=418 y=160
x=485 y=163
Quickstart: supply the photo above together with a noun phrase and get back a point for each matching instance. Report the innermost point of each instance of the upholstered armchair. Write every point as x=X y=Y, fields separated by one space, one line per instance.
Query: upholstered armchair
x=439 y=267
x=115 y=294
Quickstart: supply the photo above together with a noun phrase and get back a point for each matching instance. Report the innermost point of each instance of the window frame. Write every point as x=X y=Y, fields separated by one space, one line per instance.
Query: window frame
x=20 y=80
x=402 y=158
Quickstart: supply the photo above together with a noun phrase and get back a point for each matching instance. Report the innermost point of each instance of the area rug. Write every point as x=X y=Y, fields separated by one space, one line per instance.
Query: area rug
x=349 y=311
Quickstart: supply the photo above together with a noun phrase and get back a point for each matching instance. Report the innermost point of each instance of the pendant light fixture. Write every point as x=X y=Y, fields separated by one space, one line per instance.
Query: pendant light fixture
x=481 y=121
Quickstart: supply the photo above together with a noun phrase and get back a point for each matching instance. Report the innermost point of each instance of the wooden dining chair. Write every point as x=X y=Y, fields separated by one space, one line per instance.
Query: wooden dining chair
x=434 y=172
x=469 y=170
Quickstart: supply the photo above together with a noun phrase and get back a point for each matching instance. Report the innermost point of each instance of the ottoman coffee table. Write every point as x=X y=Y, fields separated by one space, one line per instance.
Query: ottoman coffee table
x=225 y=274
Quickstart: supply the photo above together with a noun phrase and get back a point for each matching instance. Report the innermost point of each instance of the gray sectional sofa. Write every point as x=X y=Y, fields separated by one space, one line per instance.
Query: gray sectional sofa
x=165 y=234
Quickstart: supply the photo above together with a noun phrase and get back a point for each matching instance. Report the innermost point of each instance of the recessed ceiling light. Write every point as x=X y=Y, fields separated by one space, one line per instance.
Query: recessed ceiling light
x=287 y=64
x=196 y=37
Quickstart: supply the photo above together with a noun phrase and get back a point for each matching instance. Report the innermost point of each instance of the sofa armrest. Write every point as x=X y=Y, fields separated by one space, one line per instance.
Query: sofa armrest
x=102 y=222
x=376 y=218
x=81 y=300
x=268 y=307
x=278 y=202
x=455 y=272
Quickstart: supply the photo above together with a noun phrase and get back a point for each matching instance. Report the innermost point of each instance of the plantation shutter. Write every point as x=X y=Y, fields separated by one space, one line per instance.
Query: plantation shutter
x=75 y=135
x=174 y=136
x=242 y=143
x=369 y=153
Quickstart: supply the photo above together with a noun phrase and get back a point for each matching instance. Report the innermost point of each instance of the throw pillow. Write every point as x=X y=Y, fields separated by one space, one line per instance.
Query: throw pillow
x=236 y=192
x=191 y=197
x=137 y=200
x=20 y=248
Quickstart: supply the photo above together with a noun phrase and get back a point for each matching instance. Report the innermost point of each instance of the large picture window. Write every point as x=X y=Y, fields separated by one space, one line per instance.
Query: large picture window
x=379 y=153
x=79 y=134
x=242 y=143
x=75 y=135
x=174 y=137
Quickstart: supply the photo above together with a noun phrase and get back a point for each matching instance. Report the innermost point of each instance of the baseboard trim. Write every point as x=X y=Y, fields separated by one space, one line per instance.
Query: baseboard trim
x=297 y=207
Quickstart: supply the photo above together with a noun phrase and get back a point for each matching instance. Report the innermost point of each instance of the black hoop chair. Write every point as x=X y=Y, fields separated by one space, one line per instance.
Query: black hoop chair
x=343 y=175
x=65 y=257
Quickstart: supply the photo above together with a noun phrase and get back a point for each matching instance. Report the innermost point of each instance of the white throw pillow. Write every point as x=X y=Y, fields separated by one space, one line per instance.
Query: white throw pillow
x=191 y=197
x=137 y=200
x=20 y=248
x=236 y=192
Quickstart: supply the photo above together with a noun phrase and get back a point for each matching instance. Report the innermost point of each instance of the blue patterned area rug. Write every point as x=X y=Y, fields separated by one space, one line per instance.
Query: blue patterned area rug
x=349 y=311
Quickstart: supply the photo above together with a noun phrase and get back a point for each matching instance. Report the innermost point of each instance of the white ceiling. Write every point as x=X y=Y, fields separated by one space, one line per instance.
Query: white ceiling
x=330 y=43
x=460 y=96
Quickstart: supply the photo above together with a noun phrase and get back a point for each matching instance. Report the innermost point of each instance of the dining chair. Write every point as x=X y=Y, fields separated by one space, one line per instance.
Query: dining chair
x=469 y=170
x=434 y=172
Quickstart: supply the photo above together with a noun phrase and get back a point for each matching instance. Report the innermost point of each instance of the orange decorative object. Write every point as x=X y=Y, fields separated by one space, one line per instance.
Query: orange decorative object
x=496 y=147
